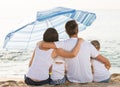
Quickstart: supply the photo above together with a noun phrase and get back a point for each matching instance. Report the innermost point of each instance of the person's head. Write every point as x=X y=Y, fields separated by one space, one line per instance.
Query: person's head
x=50 y=35
x=71 y=28
x=96 y=44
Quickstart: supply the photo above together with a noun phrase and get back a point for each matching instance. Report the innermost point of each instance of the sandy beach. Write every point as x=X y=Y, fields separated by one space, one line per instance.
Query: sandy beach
x=17 y=82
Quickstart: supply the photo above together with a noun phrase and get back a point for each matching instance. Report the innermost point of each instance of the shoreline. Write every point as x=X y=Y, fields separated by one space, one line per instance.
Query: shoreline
x=19 y=82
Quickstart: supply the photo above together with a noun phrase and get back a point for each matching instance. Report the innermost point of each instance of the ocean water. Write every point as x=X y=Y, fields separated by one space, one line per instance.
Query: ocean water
x=14 y=63
x=106 y=29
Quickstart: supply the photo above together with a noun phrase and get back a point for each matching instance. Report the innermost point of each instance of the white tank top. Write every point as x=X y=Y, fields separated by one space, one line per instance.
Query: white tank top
x=58 y=71
x=39 y=70
x=100 y=71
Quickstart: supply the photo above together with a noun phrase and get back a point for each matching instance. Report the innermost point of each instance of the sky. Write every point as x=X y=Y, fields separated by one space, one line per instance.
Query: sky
x=15 y=13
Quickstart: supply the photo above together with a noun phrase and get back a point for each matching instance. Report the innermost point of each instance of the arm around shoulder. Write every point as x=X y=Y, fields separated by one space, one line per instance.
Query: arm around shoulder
x=30 y=63
x=47 y=45
x=70 y=54
x=104 y=60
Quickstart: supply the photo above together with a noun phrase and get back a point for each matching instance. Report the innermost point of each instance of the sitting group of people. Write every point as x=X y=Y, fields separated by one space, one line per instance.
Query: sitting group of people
x=75 y=60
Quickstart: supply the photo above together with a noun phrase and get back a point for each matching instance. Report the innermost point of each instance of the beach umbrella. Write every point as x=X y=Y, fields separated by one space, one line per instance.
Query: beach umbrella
x=26 y=36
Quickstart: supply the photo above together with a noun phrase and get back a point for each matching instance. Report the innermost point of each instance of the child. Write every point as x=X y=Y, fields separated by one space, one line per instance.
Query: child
x=58 y=71
x=100 y=71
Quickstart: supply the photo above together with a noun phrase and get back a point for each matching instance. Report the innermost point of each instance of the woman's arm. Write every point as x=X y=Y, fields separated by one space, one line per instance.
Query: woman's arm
x=50 y=45
x=71 y=54
x=30 y=63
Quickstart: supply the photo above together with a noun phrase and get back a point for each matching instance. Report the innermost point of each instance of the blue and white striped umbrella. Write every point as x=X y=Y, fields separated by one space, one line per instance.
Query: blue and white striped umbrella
x=27 y=36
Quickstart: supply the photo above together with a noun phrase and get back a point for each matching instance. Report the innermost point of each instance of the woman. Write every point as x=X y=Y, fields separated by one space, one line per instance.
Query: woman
x=38 y=73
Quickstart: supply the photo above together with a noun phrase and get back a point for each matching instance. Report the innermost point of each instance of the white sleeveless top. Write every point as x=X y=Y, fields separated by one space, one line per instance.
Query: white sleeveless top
x=58 y=70
x=100 y=71
x=39 y=70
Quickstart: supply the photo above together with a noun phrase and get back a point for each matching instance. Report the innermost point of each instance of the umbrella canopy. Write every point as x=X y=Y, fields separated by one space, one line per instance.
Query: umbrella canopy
x=27 y=36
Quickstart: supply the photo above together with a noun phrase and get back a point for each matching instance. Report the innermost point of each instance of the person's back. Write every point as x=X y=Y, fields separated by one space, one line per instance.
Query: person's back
x=100 y=72
x=58 y=71
x=39 y=69
x=38 y=73
x=79 y=69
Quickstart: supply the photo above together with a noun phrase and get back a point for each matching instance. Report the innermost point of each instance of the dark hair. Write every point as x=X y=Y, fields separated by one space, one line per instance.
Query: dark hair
x=96 y=44
x=50 y=35
x=71 y=27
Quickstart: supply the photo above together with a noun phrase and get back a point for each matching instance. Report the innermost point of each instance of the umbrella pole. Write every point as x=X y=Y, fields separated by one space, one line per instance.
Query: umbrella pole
x=29 y=37
x=49 y=23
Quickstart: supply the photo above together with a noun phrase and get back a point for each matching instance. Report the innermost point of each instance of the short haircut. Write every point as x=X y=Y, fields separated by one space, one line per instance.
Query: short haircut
x=96 y=44
x=50 y=35
x=71 y=27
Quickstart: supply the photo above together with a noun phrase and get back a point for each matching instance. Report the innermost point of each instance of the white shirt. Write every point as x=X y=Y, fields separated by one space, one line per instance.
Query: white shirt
x=79 y=68
x=58 y=71
x=100 y=71
x=39 y=70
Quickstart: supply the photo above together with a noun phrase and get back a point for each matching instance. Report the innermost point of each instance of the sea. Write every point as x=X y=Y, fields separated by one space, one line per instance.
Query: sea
x=105 y=29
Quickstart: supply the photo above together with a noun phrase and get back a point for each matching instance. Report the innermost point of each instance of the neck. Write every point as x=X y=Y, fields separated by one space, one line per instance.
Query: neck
x=74 y=36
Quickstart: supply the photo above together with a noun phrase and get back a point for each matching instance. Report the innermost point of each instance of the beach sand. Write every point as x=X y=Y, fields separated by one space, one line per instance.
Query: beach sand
x=16 y=82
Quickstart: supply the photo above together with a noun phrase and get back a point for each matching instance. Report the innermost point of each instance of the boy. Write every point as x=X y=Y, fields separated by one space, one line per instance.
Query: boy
x=100 y=71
